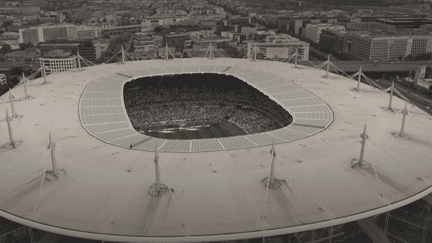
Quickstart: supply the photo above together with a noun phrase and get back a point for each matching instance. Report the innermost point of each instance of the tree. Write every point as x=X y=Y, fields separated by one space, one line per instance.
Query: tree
x=16 y=71
x=185 y=55
x=158 y=29
x=5 y=48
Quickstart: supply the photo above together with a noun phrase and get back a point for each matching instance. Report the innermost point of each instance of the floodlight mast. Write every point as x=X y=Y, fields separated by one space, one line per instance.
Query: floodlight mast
x=404 y=113
x=156 y=161
x=273 y=153
x=12 y=104
x=53 y=156
x=44 y=72
x=123 y=55
x=328 y=65
x=363 y=136
x=359 y=79
x=391 y=95
x=12 y=141
x=79 y=61
x=25 y=86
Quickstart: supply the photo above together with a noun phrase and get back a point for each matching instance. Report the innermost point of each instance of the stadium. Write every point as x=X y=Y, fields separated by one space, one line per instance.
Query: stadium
x=99 y=154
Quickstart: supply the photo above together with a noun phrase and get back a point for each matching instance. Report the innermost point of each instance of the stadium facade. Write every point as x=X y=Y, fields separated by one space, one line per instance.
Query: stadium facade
x=215 y=189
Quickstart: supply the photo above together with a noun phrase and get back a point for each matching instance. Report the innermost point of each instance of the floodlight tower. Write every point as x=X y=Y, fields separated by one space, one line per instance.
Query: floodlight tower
x=359 y=79
x=156 y=162
x=391 y=96
x=328 y=65
x=123 y=54
x=44 y=72
x=79 y=60
x=404 y=113
x=12 y=141
x=12 y=104
x=273 y=153
x=55 y=174
x=25 y=86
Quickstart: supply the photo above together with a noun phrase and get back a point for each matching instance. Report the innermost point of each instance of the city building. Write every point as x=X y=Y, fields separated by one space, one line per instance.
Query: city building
x=90 y=49
x=47 y=33
x=176 y=40
x=239 y=38
x=10 y=38
x=144 y=43
x=58 y=32
x=280 y=38
x=368 y=46
x=248 y=30
x=33 y=35
x=278 y=50
x=407 y=22
x=118 y=30
x=56 y=65
x=313 y=31
x=332 y=40
x=371 y=26
x=88 y=33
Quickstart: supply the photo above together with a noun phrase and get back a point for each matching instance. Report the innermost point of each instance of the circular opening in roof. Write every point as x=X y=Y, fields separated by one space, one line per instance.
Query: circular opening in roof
x=200 y=106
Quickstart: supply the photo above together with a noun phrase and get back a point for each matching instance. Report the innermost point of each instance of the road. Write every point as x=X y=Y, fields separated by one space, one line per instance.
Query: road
x=421 y=101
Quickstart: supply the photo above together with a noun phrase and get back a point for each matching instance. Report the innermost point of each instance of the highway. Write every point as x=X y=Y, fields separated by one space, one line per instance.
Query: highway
x=381 y=66
x=421 y=101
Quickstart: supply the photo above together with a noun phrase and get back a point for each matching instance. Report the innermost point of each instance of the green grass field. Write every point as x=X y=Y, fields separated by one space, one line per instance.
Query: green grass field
x=215 y=131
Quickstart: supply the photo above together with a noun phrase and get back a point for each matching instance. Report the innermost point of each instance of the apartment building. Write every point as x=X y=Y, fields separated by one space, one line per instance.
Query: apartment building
x=313 y=31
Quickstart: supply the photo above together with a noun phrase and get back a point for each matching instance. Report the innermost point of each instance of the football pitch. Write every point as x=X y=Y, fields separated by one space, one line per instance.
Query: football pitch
x=214 y=131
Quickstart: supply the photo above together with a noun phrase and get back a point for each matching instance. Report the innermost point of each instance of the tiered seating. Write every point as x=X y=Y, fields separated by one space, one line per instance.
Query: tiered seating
x=103 y=115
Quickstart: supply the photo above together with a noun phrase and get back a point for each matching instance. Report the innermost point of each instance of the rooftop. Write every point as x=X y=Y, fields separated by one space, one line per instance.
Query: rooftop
x=217 y=194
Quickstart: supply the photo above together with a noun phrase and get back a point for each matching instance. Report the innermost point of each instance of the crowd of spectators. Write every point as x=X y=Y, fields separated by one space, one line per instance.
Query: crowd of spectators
x=201 y=98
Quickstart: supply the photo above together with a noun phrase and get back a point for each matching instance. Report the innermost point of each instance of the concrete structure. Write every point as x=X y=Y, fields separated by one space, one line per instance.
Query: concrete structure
x=313 y=31
x=217 y=195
